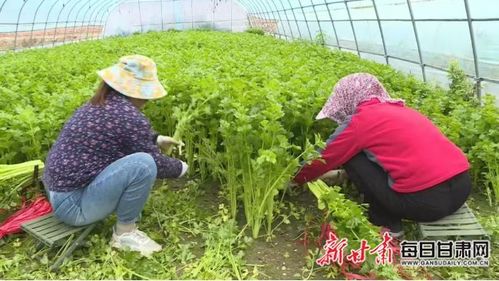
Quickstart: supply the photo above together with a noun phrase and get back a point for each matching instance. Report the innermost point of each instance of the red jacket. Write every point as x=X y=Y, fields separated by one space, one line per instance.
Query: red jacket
x=415 y=154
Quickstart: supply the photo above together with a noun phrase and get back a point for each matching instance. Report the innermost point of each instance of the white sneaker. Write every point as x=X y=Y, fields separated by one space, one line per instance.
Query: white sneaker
x=135 y=240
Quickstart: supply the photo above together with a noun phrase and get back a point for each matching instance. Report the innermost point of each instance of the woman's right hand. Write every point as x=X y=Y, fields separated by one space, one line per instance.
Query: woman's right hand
x=165 y=142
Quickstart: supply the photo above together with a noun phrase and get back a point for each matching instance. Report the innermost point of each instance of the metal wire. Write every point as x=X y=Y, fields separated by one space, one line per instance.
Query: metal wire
x=380 y=31
x=416 y=37
x=287 y=19
x=67 y=20
x=353 y=28
x=34 y=20
x=473 y=47
x=17 y=25
x=332 y=23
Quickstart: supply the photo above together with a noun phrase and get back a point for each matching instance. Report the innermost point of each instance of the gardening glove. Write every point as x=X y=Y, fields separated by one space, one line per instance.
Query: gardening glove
x=165 y=142
x=185 y=167
x=334 y=177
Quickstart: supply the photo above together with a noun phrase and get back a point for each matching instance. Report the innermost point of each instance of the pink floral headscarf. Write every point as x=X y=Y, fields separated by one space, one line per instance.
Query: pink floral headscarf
x=349 y=92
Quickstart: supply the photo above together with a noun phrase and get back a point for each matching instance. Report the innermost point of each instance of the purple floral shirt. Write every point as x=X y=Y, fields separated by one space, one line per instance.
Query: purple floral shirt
x=95 y=137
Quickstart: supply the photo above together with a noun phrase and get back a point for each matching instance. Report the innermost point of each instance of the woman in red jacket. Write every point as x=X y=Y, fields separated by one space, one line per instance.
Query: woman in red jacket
x=405 y=167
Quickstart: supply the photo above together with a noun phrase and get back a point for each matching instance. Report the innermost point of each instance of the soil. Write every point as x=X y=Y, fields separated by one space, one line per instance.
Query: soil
x=28 y=39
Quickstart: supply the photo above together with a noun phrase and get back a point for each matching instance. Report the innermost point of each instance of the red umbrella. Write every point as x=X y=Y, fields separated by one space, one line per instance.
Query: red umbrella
x=29 y=211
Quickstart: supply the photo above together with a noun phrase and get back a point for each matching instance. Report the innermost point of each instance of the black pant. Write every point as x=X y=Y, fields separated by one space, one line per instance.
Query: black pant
x=387 y=207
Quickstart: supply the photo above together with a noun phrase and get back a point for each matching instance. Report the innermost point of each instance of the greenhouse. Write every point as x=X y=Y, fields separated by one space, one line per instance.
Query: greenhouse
x=225 y=139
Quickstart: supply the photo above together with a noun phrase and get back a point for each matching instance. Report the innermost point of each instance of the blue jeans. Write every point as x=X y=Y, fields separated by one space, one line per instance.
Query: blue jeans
x=123 y=186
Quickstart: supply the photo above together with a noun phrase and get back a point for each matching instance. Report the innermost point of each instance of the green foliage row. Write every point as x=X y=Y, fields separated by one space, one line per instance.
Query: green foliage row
x=243 y=104
x=198 y=243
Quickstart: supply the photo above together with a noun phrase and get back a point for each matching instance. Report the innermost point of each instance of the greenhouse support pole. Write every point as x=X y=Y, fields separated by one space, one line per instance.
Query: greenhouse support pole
x=78 y=15
x=353 y=28
x=263 y=14
x=475 y=55
x=306 y=22
x=332 y=24
x=95 y=12
x=254 y=14
x=192 y=16
x=294 y=16
x=103 y=10
x=231 y=16
x=17 y=23
x=83 y=21
x=318 y=23
x=76 y=20
x=67 y=21
x=380 y=31
x=213 y=15
x=3 y=4
x=107 y=11
x=161 y=14
x=249 y=12
x=47 y=20
x=260 y=14
x=423 y=70
x=34 y=20
x=274 y=18
x=140 y=17
x=287 y=19
x=57 y=21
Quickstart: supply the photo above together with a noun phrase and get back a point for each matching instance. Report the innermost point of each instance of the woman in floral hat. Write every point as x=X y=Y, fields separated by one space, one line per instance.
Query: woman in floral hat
x=107 y=158
x=405 y=167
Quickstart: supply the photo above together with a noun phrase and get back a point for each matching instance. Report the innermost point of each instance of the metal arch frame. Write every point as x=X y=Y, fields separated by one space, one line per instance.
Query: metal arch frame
x=192 y=14
x=253 y=8
x=17 y=24
x=107 y=11
x=161 y=14
x=294 y=16
x=243 y=4
x=67 y=20
x=380 y=31
x=275 y=18
x=281 y=21
x=332 y=24
x=83 y=20
x=76 y=18
x=416 y=37
x=93 y=14
x=264 y=12
x=140 y=17
x=34 y=19
x=260 y=10
x=57 y=21
x=474 y=49
x=353 y=28
x=287 y=19
x=248 y=13
x=47 y=19
x=101 y=11
x=317 y=20
x=99 y=14
x=306 y=22
x=3 y=4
